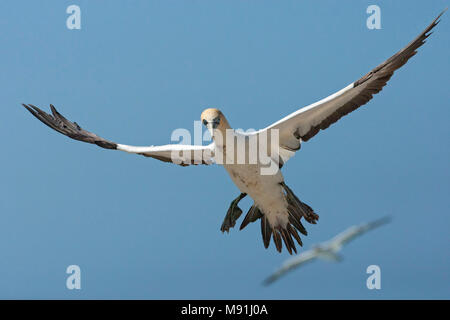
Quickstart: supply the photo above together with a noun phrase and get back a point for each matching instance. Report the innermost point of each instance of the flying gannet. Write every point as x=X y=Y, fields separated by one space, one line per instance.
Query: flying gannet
x=279 y=210
x=327 y=250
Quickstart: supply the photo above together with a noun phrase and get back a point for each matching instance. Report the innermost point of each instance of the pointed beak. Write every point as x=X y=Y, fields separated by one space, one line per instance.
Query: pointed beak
x=209 y=126
x=212 y=125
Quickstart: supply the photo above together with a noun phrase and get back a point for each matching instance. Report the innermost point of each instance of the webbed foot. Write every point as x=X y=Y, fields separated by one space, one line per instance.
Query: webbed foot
x=233 y=213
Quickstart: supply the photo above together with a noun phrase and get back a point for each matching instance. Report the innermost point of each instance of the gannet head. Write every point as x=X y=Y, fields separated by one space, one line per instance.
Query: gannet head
x=213 y=119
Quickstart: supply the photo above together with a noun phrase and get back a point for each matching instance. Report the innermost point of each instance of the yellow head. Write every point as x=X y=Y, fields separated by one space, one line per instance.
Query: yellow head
x=214 y=120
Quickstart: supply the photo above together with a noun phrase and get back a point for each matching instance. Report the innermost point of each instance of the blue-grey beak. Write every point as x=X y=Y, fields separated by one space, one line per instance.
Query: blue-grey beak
x=212 y=124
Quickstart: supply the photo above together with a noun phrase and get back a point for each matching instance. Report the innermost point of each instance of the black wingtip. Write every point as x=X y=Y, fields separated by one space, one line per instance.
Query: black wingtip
x=29 y=109
x=384 y=220
x=70 y=129
x=379 y=222
x=436 y=20
x=267 y=282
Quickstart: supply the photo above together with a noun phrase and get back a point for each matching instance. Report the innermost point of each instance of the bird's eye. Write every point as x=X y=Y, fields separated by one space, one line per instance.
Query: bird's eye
x=205 y=122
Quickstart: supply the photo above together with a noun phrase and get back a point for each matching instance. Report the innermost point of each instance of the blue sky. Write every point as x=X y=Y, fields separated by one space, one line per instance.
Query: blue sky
x=139 y=228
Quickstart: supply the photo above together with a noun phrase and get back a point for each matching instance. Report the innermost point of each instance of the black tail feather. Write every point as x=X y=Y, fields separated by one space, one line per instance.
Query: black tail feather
x=288 y=242
x=253 y=214
x=277 y=239
x=296 y=222
x=296 y=211
x=306 y=211
x=266 y=231
x=294 y=233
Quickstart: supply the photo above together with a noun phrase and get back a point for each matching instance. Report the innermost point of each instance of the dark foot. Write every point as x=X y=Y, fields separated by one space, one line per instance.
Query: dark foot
x=302 y=209
x=233 y=213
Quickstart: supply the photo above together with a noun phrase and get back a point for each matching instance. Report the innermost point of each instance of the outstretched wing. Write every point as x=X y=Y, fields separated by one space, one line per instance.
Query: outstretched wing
x=351 y=233
x=176 y=153
x=291 y=264
x=305 y=123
